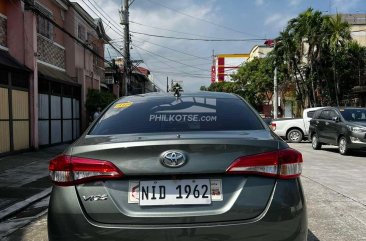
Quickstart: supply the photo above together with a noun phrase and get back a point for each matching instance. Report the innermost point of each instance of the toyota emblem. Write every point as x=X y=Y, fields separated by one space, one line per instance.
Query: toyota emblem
x=173 y=159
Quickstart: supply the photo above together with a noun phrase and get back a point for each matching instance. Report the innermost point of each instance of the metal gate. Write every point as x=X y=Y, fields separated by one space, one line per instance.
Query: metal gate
x=58 y=112
x=14 y=111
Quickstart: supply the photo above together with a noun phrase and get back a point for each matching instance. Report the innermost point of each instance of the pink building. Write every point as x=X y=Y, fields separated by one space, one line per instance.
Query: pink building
x=51 y=53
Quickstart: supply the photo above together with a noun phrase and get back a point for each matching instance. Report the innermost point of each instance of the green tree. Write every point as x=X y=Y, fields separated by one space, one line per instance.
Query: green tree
x=313 y=49
x=203 y=88
x=96 y=98
x=255 y=79
x=338 y=35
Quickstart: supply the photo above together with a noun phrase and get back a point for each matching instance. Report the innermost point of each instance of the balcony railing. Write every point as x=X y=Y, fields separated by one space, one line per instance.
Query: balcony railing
x=50 y=52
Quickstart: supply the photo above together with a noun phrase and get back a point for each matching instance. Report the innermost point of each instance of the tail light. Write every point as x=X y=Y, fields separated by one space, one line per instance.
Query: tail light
x=67 y=170
x=273 y=126
x=284 y=164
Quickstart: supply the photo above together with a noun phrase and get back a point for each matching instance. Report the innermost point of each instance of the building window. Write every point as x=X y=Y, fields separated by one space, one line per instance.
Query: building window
x=81 y=32
x=44 y=26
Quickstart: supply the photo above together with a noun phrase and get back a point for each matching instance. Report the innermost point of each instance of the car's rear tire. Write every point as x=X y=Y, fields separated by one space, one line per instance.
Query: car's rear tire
x=315 y=142
x=295 y=136
x=343 y=146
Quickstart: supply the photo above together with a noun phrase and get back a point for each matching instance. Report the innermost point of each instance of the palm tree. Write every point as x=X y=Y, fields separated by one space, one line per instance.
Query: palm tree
x=286 y=51
x=306 y=30
x=338 y=35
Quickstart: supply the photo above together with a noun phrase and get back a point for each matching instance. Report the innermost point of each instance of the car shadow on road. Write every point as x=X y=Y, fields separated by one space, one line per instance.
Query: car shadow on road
x=353 y=153
x=311 y=236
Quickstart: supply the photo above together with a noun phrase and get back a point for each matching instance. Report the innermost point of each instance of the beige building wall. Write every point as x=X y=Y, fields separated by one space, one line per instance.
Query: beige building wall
x=357 y=23
x=358 y=33
x=259 y=51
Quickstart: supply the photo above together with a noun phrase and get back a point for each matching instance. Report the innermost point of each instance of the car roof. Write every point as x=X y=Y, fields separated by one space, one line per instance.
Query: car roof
x=314 y=108
x=355 y=108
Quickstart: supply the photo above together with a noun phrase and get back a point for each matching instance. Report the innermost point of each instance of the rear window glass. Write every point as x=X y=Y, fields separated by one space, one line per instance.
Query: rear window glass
x=172 y=115
x=356 y=115
x=311 y=114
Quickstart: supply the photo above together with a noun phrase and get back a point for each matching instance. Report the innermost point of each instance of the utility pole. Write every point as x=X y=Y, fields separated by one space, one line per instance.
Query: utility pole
x=275 y=95
x=275 y=92
x=124 y=15
x=167 y=84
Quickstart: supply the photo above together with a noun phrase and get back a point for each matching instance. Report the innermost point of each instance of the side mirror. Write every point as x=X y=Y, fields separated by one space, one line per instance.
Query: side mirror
x=336 y=119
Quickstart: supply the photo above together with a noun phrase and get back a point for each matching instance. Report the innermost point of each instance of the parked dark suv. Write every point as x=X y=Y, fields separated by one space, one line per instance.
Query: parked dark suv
x=345 y=129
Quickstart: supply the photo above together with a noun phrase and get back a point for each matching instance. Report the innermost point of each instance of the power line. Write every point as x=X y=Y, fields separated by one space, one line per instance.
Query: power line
x=194 y=67
x=169 y=30
x=101 y=17
x=166 y=63
x=203 y=20
x=102 y=21
x=201 y=39
x=181 y=74
x=35 y=10
x=79 y=16
x=147 y=67
x=110 y=20
x=175 y=50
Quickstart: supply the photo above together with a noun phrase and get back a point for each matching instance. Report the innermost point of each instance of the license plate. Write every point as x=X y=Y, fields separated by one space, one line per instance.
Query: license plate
x=175 y=192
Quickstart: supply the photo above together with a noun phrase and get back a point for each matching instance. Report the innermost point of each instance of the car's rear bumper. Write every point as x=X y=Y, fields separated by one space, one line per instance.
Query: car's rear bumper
x=285 y=219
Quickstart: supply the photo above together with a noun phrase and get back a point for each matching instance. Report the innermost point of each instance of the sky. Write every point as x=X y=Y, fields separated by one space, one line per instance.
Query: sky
x=190 y=61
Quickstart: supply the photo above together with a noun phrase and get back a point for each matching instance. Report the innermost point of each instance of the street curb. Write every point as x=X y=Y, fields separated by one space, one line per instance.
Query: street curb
x=7 y=212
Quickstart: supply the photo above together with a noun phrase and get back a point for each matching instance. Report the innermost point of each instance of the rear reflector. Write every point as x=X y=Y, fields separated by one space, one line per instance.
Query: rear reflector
x=67 y=170
x=284 y=164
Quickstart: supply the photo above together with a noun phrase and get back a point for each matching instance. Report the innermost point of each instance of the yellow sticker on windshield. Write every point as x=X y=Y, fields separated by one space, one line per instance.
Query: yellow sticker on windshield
x=123 y=105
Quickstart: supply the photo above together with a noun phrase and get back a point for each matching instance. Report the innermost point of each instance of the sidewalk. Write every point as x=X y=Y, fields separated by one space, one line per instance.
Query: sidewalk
x=24 y=179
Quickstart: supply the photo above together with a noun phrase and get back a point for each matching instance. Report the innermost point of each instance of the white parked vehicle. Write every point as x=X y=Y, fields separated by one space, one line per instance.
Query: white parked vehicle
x=294 y=129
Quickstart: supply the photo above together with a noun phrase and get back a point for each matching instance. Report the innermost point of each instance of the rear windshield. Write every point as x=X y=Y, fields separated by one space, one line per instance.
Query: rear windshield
x=311 y=114
x=172 y=115
x=354 y=115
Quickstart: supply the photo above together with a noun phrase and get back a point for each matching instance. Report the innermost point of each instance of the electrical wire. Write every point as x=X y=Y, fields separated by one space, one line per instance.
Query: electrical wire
x=167 y=63
x=175 y=61
x=175 y=50
x=201 y=39
x=148 y=69
x=169 y=30
x=134 y=67
x=203 y=20
x=45 y=16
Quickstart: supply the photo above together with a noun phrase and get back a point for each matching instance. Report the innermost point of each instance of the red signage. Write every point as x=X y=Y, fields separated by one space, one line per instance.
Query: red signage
x=213 y=73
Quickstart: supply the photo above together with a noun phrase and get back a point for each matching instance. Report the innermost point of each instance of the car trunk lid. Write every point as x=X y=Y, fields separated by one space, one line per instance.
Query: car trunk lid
x=242 y=197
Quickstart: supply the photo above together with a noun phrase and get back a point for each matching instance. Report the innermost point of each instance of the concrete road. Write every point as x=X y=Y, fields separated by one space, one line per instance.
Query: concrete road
x=335 y=190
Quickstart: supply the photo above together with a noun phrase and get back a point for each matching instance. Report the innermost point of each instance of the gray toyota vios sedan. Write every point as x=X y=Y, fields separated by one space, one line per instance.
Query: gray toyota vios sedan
x=200 y=166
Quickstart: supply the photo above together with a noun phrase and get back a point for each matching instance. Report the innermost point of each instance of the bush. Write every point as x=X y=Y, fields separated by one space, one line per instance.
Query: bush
x=96 y=98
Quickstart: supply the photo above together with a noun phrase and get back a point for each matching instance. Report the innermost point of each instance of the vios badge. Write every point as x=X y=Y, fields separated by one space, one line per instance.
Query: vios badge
x=173 y=159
